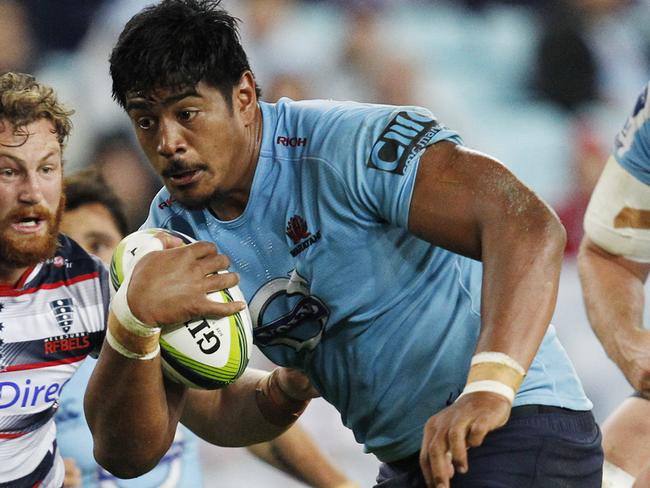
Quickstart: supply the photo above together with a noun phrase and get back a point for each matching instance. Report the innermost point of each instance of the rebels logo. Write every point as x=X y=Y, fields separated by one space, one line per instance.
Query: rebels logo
x=77 y=341
x=402 y=140
x=63 y=311
x=291 y=141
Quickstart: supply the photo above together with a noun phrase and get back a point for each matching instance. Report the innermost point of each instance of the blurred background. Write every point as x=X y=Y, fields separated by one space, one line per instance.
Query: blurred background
x=542 y=85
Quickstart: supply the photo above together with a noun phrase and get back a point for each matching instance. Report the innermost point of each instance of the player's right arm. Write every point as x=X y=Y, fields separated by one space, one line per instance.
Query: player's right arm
x=133 y=411
x=614 y=262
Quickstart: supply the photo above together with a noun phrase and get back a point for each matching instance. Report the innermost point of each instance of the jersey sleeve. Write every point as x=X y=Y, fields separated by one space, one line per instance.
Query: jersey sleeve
x=387 y=150
x=632 y=144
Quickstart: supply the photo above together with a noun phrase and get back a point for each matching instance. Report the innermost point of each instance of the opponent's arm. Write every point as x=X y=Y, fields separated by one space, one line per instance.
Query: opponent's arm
x=296 y=453
x=471 y=204
x=613 y=263
x=613 y=291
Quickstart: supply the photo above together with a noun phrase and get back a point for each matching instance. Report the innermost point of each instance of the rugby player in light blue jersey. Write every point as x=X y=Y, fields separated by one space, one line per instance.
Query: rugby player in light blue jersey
x=410 y=278
x=614 y=262
x=94 y=218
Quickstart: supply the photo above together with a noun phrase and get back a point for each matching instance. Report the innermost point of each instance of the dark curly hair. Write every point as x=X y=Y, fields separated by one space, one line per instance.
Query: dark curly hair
x=176 y=44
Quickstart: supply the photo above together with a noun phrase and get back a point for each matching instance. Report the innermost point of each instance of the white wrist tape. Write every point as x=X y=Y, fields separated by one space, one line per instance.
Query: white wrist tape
x=490 y=386
x=499 y=358
x=115 y=344
x=122 y=312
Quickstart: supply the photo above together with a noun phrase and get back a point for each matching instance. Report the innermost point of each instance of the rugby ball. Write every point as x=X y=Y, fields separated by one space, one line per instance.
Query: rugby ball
x=205 y=353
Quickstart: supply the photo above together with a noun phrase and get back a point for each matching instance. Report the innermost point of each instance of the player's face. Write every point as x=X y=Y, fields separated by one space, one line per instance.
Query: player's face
x=93 y=228
x=199 y=144
x=31 y=196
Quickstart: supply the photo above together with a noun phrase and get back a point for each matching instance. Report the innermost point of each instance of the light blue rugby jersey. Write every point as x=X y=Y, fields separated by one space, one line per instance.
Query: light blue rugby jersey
x=180 y=467
x=384 y=323
x=632 y=145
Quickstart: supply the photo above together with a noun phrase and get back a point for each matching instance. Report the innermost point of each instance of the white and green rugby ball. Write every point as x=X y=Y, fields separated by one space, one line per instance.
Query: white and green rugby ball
x=205 y=353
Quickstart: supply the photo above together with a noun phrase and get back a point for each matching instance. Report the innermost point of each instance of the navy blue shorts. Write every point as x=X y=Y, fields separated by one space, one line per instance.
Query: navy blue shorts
x=539 y=447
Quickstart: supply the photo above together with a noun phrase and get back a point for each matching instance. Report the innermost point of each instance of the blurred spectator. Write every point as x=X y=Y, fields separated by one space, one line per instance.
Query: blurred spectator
x=591 y=51
x=589 y=154
x=563 y=45
x=18 y=47
x=121 y=163
x=60 y=25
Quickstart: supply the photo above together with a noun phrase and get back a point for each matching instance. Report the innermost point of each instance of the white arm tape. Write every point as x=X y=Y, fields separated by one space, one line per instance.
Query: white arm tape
x=115 y=344
x=619 y=193
x=499 y=358
x=491 y=386
x=615 y=477
x=122 y=312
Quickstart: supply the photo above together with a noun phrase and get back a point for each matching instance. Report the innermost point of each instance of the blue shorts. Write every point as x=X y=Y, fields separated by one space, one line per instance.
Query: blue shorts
x=539 y=447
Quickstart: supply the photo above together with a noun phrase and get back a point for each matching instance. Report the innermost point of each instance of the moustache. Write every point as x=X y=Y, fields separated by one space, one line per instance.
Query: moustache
x=38 y=212
x=177 y=166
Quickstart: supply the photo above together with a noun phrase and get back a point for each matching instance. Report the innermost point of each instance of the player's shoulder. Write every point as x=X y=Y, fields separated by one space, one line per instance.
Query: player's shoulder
x=70 y=266
x=635 y=136
x=163 y=207
x=327 y=129
x=331 y=114
x=167 y=213
x=72 y=255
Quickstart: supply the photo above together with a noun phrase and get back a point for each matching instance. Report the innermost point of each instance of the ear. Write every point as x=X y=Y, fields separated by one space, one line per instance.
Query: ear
x=245 y=97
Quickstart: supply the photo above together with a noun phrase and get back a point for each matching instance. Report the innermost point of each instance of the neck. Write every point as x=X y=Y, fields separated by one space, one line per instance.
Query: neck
x=232 y=205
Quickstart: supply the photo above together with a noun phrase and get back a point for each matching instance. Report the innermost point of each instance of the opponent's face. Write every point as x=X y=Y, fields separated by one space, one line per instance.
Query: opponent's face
x=31 y=193
x=92 y=226
x=196 y=141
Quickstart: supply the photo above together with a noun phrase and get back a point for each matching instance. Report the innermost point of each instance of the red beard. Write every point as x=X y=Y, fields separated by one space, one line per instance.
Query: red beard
x=28 y=251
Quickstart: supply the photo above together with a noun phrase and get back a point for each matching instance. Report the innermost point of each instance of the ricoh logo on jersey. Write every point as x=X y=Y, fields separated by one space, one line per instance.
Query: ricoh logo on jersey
x=291 y=141
x=26 y=395
x=402 y=140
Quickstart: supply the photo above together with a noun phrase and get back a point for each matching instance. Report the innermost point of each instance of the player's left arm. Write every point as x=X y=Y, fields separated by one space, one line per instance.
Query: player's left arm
x=471 y=204
x=258 y=407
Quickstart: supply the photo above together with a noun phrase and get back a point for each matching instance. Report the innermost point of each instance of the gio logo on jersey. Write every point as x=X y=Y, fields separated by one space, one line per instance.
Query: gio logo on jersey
x=402 y=140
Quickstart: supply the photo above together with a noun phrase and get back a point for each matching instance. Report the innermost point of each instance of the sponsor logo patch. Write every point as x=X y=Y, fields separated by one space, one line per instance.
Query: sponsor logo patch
x=291 y=141
x=63 y=311
x=72 y=343
x=402 y=140
x=299 y=234
x=166 y=203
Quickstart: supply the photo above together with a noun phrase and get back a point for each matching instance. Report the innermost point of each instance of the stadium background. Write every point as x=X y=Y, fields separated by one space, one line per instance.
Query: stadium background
x=542 y=85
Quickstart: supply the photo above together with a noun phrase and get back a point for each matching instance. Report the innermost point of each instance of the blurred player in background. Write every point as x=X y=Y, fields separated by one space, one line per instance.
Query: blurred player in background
x=53 y=295
x=95 y=219
x=358 y=232
x=614 y=262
